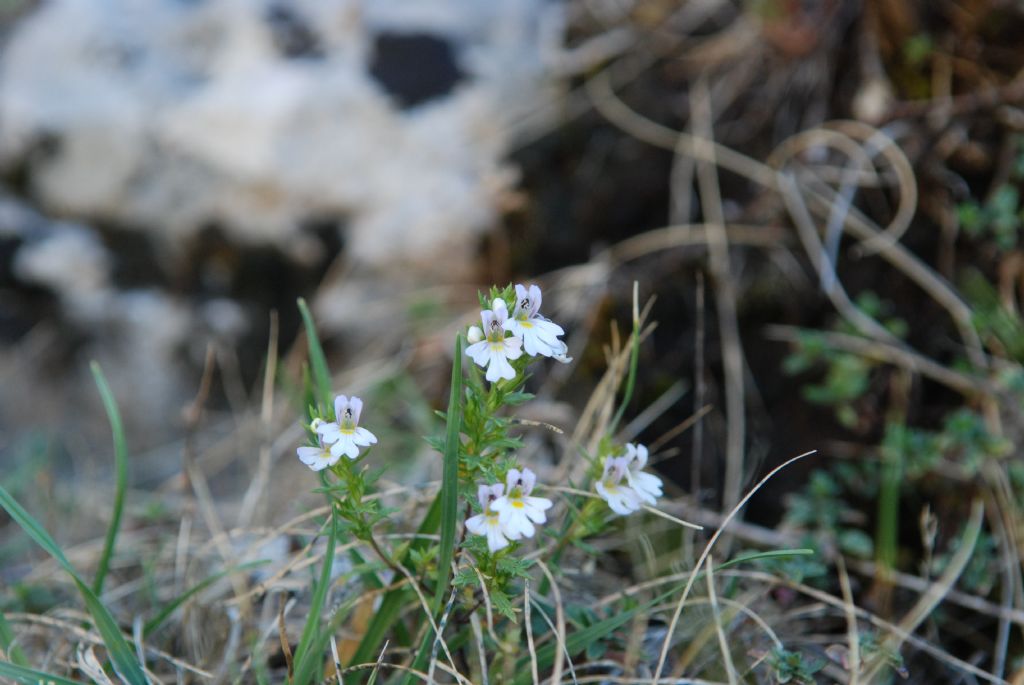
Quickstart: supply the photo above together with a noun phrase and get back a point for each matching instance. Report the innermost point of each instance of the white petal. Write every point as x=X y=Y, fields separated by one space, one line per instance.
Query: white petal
x=513 y=347
x=529 y=479
x=530 y=344
x=513 y=478
x=521 y=293
x=479 y=352
x=499 y=309
x=547 y=330
x=474 y=334
x=477 y=525
x=340 y=405
x=535 y=299
x=364 y=437
x=495 y=539
x=309 y=454
x=356 y=405
x=500 y=504
x=541 y=503
x=535 y=515
x=346 y=446
x=515 y=524
x=329 y=432
x=499 y=367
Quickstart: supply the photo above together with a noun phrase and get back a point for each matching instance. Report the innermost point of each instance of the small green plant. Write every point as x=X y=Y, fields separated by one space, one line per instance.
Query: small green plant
x=793 y=667
x=847 y=376
x=1000 y=217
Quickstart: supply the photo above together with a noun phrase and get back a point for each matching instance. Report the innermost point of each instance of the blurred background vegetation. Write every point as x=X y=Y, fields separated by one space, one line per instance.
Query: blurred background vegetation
x=841 y=271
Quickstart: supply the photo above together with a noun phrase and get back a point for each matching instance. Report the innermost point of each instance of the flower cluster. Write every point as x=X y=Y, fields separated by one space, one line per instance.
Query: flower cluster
x=490 y=347
x=343 y=436
x=509 y=512
x=639 y=488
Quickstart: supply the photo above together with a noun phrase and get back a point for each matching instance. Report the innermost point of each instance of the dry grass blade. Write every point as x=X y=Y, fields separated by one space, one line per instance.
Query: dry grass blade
x=556 y=594
x=880 y=623
x=852 y=634
x=282 y=634
x=716 y=617
x=725 y=294
x=258 y=486
x=529 y=635
x=704 y=555
x=926 y=604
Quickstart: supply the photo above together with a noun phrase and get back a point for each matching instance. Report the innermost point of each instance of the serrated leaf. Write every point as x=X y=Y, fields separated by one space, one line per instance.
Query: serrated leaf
x=464 y=577
x=503 y=605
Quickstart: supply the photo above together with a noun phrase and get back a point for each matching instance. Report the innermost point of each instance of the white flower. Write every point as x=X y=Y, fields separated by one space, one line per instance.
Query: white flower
x=621 y=498
x=559 y=353
x=647 y=486
x=344 y=435
x=517 y=511
x=316 y=458
x=539 y=335
x=495 y=351
x=487 y=523
x=474 y=335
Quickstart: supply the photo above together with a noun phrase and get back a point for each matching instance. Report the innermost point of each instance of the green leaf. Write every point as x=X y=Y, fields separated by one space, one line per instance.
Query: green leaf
x=28 y=676
x=307 y=657
x=503 y=605
x=321 y=374
x=856 y=543
x=464 y=577
x=450 y=481
x=121 y=654
x=120 y=475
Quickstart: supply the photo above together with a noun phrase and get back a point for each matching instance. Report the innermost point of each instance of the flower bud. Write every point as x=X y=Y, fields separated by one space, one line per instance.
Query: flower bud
x=474 y=335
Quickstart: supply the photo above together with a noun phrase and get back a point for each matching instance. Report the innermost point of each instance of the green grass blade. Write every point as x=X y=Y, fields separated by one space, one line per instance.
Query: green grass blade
x=121 y=654
x=449 y=504
x=7 y=639
x=307 y=656
x=28 y=676
x=169 y=608
x=317 y=360
x=120 y=475
x=757 y=556
x=450 y=482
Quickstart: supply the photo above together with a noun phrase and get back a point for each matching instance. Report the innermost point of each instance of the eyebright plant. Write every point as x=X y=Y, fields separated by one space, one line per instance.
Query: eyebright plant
x=501 y=497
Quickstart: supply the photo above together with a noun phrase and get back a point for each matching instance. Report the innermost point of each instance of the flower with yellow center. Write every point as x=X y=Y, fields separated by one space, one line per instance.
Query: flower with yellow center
x=487 y=523
x=517 y=510
x=495 y=349
x=344 y=435
x=540 y=336
x=621 y=498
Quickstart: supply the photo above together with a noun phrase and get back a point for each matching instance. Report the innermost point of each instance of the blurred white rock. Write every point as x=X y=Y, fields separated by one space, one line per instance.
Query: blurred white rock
x=257 y=115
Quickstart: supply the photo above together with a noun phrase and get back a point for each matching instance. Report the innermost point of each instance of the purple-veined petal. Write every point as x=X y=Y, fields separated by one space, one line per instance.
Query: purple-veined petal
x=340 y=405
x=356 y=405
